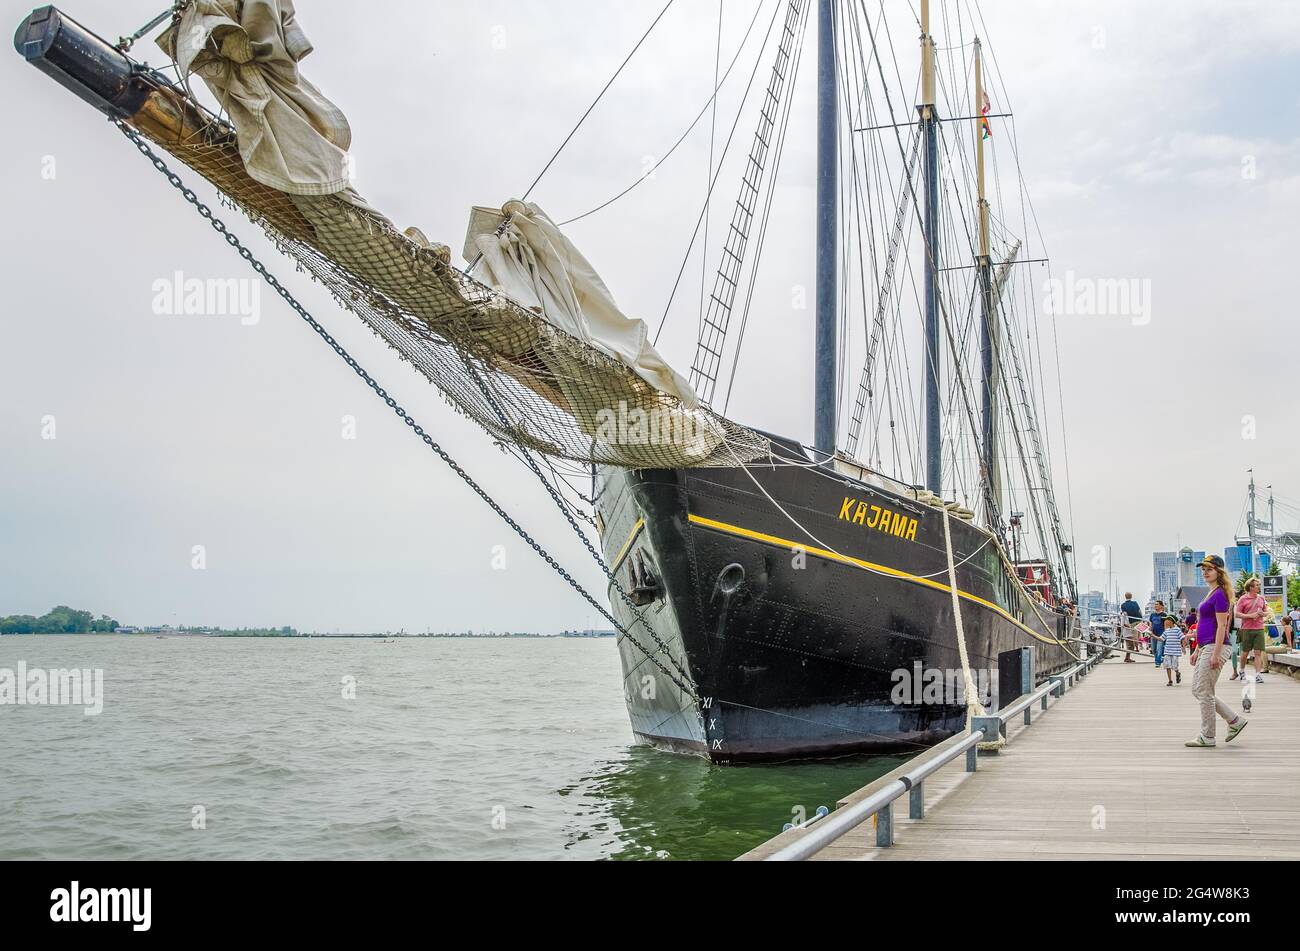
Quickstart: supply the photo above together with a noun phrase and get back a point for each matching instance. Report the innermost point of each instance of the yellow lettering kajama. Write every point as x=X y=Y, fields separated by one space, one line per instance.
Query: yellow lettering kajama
x=878 y=519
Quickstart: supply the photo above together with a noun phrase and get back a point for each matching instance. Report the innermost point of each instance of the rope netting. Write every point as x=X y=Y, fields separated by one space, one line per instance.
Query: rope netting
x=506 y=367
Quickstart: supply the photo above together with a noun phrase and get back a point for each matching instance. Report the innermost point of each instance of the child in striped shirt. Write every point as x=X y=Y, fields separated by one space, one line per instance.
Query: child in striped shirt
x=1172 y=636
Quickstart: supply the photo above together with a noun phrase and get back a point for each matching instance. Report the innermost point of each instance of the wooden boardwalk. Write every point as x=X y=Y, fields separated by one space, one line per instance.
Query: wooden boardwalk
x=1103 y=774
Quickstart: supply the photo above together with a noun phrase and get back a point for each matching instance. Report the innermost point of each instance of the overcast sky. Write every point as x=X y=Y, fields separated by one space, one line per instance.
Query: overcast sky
x=1159 y=141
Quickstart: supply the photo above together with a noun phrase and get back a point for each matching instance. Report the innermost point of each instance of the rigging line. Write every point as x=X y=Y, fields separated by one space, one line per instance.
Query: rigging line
x=1036 y=397
x=1040 y=523
x=860 y=214
x=125 y=43
x=231 y=239
x=865 y=241
x=1039 y=396
x=721 y=161
x=1060 y=389
x=960 y=378
x=910 y=397
x=964 y=165
x=799 y=525
x=590 y=108
x=708 y=178
x=846 y=223
x=689 y=129
x=990 y=538
x=952 y=423
x=1030 y=400
x=884 y=283
x=713 y=331
x=559 y=481
x=889 y=38
x=877 y=347
x=878 y=298
x=1030 y=597
x=527 y=458
x=761 y=241
x=898 y=137
x=901 y=406
x=1241 y=519
x=986 y=478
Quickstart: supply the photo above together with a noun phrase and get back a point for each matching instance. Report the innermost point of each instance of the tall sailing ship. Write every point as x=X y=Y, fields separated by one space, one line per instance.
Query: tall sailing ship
x=769 y=596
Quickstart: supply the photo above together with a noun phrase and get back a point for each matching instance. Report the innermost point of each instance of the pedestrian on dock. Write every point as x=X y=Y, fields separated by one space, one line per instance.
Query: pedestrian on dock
x=1130 y=615
x=1288 y=631
x=1251 y=612
x=1214 y=615
x=1171 y=648
x=1157 y=620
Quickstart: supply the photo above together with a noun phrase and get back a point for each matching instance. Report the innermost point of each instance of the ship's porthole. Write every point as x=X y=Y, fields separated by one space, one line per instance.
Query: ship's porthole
x=731 y=578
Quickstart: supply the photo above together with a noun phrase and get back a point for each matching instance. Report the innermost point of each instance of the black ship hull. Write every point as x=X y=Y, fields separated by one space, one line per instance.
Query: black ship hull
x=810 y=610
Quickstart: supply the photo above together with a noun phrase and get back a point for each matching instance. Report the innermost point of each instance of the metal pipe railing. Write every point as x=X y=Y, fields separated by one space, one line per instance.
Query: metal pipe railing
x=910 y=777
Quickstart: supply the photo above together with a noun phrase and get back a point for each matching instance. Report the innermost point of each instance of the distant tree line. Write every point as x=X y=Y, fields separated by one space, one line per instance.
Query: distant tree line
x=62 y=620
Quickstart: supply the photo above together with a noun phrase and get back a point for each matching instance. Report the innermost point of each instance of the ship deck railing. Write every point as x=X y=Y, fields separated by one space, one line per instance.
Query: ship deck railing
x=877 y=800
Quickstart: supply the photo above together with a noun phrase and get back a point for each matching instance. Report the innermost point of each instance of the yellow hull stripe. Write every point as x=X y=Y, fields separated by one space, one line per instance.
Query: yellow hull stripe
x=845 y=559
x=636 y=530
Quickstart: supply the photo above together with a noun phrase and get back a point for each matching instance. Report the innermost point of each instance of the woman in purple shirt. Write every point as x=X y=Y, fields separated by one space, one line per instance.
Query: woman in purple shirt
x=1212 y=652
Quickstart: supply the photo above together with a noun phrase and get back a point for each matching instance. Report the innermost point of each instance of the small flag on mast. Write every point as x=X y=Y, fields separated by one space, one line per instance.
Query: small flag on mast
x=984 y=118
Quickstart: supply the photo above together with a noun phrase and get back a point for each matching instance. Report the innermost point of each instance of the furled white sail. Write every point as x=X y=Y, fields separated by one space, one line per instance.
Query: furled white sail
x=291 y=137
x=526 y=257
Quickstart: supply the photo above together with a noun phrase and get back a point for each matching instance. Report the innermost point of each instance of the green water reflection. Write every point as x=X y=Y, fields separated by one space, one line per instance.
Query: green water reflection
x=647 y=804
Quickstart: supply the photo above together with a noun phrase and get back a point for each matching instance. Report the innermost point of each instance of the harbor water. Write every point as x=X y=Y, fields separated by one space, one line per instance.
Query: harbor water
x=414 y=748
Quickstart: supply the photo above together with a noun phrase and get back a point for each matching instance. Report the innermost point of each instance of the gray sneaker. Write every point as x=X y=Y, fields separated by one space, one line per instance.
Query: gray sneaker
x=1242 y=723
x=1200 y=743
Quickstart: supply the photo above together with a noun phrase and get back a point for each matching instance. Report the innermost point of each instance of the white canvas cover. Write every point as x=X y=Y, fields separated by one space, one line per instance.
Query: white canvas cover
x=534 y=264
x=291 y=137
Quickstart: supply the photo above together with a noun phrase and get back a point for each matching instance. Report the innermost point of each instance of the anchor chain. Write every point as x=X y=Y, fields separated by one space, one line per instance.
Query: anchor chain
x=220 y=227
x=582 y=536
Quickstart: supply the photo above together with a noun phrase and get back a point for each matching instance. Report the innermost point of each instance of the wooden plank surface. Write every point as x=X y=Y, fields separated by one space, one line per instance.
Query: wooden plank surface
x=1104 y=775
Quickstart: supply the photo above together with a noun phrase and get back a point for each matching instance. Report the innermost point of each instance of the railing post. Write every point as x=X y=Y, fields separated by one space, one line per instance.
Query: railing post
x=972 y=759
x=1058 y=687
x=916 y=801
x=993 y=729
x=1044 y=699
x=885 y=827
